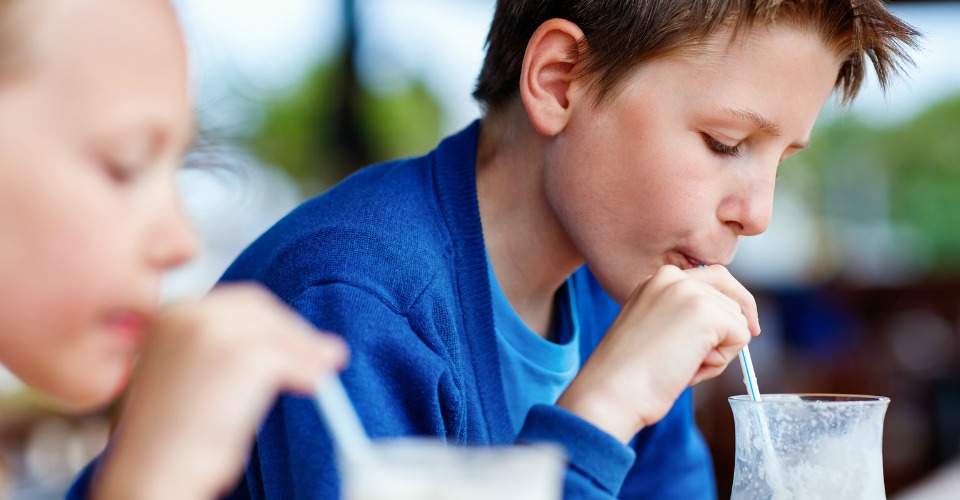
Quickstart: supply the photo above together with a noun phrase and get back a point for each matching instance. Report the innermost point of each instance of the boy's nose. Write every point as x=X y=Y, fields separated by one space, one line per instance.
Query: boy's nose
x=747 y=211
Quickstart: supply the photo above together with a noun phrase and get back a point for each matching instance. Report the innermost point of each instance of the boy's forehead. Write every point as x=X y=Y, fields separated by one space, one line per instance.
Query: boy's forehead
x=744 y=80
x=745 y=47
x=717 y=46
x=716 y=51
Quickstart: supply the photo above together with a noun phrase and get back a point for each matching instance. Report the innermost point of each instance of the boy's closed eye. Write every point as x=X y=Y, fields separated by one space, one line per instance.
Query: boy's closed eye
x=721 y=148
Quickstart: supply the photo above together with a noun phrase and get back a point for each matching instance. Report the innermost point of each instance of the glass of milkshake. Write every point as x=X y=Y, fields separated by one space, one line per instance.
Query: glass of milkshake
x=808 y=446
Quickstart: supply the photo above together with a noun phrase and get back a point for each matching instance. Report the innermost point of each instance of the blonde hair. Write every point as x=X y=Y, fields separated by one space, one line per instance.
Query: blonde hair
x=17 y=20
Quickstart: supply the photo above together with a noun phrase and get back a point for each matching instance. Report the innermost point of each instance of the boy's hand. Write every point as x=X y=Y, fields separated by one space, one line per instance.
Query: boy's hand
x=206 y=378
x=677 y=329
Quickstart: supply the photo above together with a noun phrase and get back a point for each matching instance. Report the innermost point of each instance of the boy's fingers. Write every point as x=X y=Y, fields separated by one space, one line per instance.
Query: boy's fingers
x=725 y=300
x=721 y=279
x=735 y=334
x=714 y=364
x=706 y=373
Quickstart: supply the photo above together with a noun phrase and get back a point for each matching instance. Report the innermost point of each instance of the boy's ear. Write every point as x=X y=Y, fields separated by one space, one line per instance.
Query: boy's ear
x=547 y=76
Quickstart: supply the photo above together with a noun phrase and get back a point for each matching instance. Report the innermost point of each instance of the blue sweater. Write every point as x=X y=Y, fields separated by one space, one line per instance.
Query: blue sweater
x=393 y=259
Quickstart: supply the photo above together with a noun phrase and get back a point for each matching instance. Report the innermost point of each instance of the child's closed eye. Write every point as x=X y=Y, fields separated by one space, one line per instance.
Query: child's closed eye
x=720 y=148
x=121 y=172
x=127 y=158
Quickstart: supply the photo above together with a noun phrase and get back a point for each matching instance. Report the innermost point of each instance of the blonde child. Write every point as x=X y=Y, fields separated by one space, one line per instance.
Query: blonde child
x=95 y=115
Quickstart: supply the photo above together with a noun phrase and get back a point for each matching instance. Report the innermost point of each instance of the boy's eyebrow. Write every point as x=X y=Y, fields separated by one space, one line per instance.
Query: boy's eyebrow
x=762 y=123
x=765 y=125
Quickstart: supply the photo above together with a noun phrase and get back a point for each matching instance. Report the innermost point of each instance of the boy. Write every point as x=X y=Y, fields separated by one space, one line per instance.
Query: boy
x=640 y=138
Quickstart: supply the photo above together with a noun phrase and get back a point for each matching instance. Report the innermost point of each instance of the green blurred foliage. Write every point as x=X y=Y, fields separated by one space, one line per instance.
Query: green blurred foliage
x=298 y=131
x=920 y=159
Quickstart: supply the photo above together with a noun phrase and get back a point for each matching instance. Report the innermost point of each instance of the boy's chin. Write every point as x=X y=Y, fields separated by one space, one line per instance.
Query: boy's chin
x=621 y=286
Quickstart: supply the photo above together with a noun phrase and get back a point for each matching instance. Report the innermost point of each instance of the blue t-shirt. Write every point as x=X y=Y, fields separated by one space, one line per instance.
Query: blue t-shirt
x=534 y=370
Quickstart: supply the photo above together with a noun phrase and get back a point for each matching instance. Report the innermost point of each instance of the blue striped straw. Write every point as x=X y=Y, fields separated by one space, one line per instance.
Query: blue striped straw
x=746 y=366
x=749 y=377
x=772 y=463
x=753 y=390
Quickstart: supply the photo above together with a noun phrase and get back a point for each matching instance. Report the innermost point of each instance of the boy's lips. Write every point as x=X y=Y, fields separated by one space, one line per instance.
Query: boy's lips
x=694 y=262
x=688 y=260
x=682 y=260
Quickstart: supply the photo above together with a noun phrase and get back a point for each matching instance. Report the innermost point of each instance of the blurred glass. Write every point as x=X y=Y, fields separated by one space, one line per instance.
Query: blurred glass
x=416 y=469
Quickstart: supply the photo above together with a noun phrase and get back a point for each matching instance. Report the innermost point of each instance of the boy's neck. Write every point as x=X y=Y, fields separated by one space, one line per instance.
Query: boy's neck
x=530 y=252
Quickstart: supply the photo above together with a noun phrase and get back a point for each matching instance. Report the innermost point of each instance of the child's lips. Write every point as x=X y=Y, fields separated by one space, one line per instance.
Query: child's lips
x=128 y=324
x=693 y=262
x=685 y=260
x=682 y=260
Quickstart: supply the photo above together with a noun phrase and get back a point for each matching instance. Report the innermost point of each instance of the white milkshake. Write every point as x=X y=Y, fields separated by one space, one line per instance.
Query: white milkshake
x=424 y=469
x=818 y=447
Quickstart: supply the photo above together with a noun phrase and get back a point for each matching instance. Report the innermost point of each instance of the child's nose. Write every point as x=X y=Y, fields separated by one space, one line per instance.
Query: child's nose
x=749 y=209
x=173 y=241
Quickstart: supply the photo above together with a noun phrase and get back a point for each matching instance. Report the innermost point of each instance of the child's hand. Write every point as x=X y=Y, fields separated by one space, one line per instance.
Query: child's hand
x=205 y=380
x=677 y=329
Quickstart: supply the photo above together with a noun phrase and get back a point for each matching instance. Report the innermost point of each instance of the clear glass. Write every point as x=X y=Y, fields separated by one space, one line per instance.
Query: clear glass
x=428 y=469
x=808 y=446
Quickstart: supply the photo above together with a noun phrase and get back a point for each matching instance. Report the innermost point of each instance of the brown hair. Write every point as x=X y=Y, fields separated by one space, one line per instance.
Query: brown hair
x=621 y=34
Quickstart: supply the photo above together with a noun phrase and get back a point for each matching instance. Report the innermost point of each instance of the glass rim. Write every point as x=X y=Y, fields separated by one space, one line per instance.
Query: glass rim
x=811 y=398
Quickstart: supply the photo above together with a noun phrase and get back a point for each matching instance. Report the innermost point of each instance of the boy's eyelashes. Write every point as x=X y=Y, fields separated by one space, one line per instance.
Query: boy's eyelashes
x=719 y=148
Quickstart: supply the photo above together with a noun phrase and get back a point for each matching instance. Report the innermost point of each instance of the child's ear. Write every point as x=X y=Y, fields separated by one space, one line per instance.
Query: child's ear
x=547 y=76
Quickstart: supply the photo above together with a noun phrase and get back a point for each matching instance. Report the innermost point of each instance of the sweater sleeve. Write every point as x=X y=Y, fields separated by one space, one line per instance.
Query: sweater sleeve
x=597 y=462
x=399 y=385
x=673 y=460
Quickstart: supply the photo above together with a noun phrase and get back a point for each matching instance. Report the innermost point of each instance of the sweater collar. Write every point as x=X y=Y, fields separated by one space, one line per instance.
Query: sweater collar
x=456 y=182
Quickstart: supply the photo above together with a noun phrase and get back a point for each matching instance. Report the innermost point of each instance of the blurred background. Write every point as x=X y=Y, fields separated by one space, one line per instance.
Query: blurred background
x=858 y=278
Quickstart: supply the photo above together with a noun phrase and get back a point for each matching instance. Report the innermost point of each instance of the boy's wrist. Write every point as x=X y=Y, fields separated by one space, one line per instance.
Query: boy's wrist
x=604 y=413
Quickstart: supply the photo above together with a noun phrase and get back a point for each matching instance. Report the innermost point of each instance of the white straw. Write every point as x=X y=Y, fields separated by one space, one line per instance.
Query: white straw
x=347 y=431
x=749 y=377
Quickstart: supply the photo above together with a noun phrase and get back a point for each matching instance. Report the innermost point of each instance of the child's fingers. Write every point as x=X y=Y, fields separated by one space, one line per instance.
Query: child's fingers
x=725 y=301
x=304 y=355
x=332 y=351
x=734 y=333
x=717 y=360
x=720 y=278
x=248 y=328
